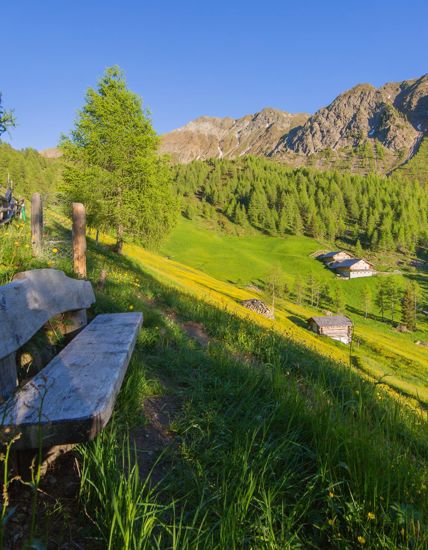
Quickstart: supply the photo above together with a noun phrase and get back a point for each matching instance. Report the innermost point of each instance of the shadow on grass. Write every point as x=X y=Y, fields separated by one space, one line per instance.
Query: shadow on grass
x=298 y=321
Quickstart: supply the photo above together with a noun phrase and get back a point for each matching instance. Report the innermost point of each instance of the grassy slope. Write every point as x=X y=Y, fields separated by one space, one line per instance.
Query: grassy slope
x=417 y=167
x=278 y=445
x=383 y=352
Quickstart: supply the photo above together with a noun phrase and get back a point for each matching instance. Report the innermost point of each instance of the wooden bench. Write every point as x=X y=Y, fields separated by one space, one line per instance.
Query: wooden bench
x=72 y=398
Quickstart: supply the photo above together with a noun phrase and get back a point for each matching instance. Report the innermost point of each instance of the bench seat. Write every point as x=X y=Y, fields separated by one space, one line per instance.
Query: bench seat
x=72 y=398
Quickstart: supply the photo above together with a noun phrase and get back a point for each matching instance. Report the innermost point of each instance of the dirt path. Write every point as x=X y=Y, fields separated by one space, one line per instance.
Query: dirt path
x=155 y=438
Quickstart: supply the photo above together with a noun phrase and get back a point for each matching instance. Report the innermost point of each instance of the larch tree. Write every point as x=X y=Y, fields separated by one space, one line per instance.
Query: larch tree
x=367 y=300
x=407 y=309
x=274 y=285
x=7 y=118
x=339 y=299
x=113 y=167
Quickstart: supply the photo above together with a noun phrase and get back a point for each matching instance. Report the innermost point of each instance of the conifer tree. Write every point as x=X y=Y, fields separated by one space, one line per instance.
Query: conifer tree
x=113 y=165
x=381 y=299
x=7 y=118
x=298 y=291
x=274 y=285
x=367 y=300
x=339 y=299
x=358 y=249
x=408 y=308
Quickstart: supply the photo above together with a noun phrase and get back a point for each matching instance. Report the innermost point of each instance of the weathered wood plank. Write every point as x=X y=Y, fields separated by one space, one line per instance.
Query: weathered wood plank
x=36 y=223
x=8 y=376
x=79 y=239
x=71 y=400
x=73 y=321
x=34 y=297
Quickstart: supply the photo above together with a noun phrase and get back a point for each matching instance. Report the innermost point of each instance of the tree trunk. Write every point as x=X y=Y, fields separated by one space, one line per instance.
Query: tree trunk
x=119 y=242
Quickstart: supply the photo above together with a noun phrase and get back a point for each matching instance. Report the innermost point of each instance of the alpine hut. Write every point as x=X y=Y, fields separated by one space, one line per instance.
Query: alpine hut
x=337 y=256
x=338 y=327
x=353 y=268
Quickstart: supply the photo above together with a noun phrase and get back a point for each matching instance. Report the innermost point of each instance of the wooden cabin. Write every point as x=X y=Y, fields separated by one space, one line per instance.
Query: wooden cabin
x=337 y=327
x=337 y=256
x=353 y=268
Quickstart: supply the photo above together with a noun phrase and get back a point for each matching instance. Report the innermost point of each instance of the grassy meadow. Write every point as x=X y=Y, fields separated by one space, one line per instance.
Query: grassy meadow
x=380 y=350
x=271 y=440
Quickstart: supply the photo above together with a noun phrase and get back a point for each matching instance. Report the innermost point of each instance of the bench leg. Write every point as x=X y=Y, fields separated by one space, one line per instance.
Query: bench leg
x=24 y=460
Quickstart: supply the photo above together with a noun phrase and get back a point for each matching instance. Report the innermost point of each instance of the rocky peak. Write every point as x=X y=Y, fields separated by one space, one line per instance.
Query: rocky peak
x=213 y=137
x=358 y=114
x=395 y=114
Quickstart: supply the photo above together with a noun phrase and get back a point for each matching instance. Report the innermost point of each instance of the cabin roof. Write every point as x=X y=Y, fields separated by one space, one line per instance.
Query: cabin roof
x=332 y=321
x=332 y=254
x=349 y=263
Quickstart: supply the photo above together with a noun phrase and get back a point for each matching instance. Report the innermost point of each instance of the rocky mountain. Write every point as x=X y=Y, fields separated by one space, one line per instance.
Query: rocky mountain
x=208 y=137
x=394 y=115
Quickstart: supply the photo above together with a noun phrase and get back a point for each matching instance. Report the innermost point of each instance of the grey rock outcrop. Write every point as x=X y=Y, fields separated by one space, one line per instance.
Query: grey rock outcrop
x=259 y=307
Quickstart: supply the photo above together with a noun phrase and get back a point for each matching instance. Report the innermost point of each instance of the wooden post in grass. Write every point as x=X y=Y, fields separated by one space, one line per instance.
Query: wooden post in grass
x=36 y=223
x=79 y=240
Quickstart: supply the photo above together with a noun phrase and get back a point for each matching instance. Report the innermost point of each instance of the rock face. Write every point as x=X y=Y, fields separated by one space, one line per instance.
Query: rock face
x=396 y=115
x=259 y=307
x=361 y=113
x=210 y=137
x=51 y=153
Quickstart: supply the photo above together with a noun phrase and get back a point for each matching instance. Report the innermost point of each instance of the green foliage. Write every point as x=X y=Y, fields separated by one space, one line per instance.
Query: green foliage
x=384 y=214
x=416 y=169
x=408 y=307
x=29 y=172
x=358 y=249
x=339 y=299
x=269 y=444
x=367 y=300
x=274 y=285
x=7 y=118
x=288 y=454
x=113 y=166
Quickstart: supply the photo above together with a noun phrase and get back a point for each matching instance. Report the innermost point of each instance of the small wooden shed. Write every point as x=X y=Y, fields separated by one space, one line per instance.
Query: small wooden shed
x=338 y=327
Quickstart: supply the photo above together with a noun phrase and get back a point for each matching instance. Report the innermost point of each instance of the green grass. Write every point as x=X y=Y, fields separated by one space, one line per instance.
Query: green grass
x=277 y=446
x=382 y=352
x=417 y=167
x=242 y=259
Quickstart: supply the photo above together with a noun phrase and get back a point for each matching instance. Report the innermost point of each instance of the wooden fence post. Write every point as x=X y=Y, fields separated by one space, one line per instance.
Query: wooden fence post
x=36 y=223
x=79 y=239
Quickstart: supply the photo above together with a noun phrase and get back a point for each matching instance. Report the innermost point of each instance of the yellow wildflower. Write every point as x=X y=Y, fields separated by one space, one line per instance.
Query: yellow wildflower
x=331 y=494
x=55 y=250
x=361 y=539
x=371 y=516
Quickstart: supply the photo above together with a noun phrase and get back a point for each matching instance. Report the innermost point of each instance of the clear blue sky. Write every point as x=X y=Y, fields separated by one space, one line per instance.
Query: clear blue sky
x=188 y=58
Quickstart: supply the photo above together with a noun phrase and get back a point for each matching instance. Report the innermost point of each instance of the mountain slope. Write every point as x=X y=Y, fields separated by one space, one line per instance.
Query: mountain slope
x=386 y=124
x=362 y=112
x=209 y=137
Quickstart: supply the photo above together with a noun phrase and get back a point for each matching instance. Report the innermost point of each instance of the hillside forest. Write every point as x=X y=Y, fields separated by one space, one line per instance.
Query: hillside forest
x=379 y=213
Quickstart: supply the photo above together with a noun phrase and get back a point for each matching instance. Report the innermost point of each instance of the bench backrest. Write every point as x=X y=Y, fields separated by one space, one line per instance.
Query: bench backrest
x=27 y=304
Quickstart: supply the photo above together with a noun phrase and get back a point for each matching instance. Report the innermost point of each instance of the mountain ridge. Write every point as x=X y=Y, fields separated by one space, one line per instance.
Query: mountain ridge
x=393 y=116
